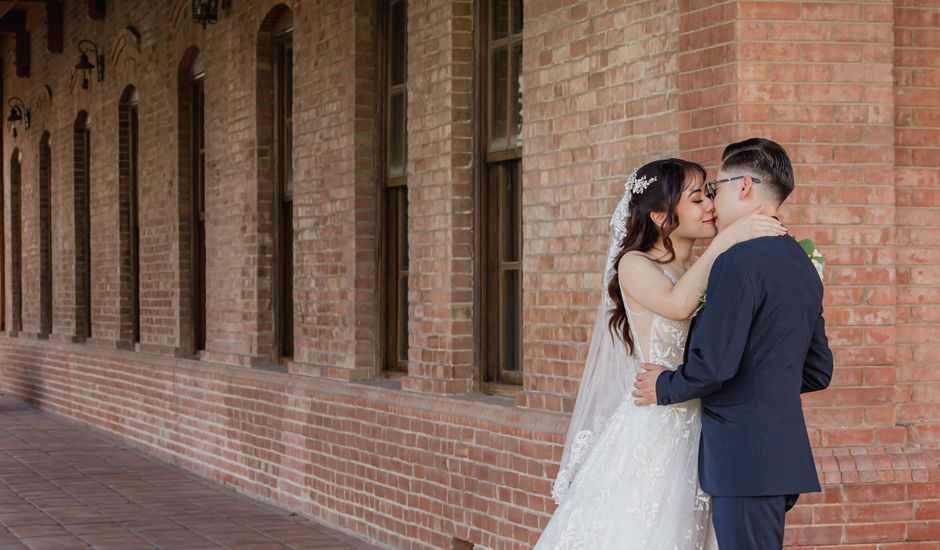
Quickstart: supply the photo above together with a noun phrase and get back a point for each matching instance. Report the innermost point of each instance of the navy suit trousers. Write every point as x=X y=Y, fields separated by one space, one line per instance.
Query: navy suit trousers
x=750 y=523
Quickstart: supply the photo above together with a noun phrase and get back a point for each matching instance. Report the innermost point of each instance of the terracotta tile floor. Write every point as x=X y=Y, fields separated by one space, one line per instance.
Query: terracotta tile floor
x=62 y=486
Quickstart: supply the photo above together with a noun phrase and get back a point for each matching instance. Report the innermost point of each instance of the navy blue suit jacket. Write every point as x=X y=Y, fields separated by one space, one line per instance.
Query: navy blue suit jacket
x=757 y=345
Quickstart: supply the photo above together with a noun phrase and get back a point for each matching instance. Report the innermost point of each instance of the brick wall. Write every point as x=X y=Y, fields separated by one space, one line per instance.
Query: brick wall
x=708 y=79
x=440 y=194
x=599 y=86
x=333 y=227
x=827 y=70
x=917 y=172
x=850 y=88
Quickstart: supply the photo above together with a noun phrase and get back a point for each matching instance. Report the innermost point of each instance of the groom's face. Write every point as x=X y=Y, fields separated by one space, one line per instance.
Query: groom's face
x=729 y=206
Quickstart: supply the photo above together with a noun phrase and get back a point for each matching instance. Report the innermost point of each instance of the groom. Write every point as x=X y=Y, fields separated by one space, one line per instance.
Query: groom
x=757 y=345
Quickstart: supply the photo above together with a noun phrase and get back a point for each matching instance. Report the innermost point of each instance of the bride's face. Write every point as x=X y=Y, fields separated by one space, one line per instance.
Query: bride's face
x=696 y=211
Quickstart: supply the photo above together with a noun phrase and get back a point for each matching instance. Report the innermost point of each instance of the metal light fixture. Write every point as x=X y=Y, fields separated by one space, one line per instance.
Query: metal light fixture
x=18 y=112
x=207 y=11
x=86 y=47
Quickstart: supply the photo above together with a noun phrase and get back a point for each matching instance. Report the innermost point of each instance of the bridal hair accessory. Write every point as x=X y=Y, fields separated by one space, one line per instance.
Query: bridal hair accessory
x=637 y=185
x=618 y=225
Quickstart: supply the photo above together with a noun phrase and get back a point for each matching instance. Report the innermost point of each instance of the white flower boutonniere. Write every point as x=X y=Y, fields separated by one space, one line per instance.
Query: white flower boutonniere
x=815 y=256
x=812 y=252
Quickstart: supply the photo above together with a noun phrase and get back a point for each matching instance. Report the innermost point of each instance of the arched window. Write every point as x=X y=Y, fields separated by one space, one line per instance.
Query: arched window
x=275 y=168
x=45 y=236
x=82 y=218
x=128 y=212
x=192 y=200
x=16 y=241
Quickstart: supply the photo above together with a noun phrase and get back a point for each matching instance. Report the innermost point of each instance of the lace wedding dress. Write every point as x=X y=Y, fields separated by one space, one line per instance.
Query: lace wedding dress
x=634 y=484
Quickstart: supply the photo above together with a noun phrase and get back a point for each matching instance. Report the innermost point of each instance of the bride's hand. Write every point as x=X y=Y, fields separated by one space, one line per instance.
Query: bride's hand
x=751 y=227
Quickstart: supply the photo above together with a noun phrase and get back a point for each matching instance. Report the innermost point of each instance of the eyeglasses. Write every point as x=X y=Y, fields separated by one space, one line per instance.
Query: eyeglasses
x=711 y=187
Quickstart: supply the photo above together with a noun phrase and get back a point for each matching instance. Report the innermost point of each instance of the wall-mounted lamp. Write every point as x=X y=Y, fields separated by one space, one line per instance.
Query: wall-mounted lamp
x=18 y=113
x=86 y=47
x=207 y=11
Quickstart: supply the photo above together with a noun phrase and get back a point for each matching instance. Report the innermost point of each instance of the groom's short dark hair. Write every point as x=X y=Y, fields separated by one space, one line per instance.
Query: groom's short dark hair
x=765 y=159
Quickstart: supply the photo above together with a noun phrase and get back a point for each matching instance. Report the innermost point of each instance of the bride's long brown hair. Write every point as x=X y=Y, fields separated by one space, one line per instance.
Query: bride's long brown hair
x=663 y=195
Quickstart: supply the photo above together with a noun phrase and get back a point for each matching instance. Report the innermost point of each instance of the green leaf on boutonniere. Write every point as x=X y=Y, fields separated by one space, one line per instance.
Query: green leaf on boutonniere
x=815 y=256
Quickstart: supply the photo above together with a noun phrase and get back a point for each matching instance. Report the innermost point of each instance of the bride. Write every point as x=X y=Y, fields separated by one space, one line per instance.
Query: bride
x=628 y=477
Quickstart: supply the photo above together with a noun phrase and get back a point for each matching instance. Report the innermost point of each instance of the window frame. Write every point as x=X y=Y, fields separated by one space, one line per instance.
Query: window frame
x=81 y=172
x=495 y=164
x=45 y=236
x=134 y=214
x=16 y=240
x=198 y=212
x=392 y=321
x=283 y=194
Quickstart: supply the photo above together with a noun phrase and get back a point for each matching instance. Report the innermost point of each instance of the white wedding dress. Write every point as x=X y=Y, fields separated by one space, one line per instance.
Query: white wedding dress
x=636 y=483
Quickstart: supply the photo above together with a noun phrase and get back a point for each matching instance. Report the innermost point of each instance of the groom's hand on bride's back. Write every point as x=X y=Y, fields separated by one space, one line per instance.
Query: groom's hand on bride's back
x=645 y=385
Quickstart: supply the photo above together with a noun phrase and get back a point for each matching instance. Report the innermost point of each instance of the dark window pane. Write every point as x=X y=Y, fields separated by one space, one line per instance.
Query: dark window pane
x=198 y=260
x=289 y=120
x=515 y=94
x=501 y=284
x=86 y=228
x=288 y=80
x=500 y=17
x=516 y=16
x=499 y=123
x=198 y=103
x=398 y=31
x=286 y=280
x=45 y=236
x=16 y=247
x=402 y=261
x=396 y=154
x=511 y=325
x=509 y=205
x=284 y=241
x=403 y=318
x=135 y=227
x=288 y=160
x=403 y=231
x=396 y=277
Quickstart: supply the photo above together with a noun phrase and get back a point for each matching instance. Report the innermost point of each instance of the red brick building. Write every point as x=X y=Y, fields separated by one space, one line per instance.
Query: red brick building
x=344 y=255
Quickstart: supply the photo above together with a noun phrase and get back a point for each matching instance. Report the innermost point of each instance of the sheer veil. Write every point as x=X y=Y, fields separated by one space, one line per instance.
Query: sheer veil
x=609 y=370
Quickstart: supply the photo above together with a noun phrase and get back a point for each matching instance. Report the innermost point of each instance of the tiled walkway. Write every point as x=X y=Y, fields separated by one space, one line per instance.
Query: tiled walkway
x=63 y=487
